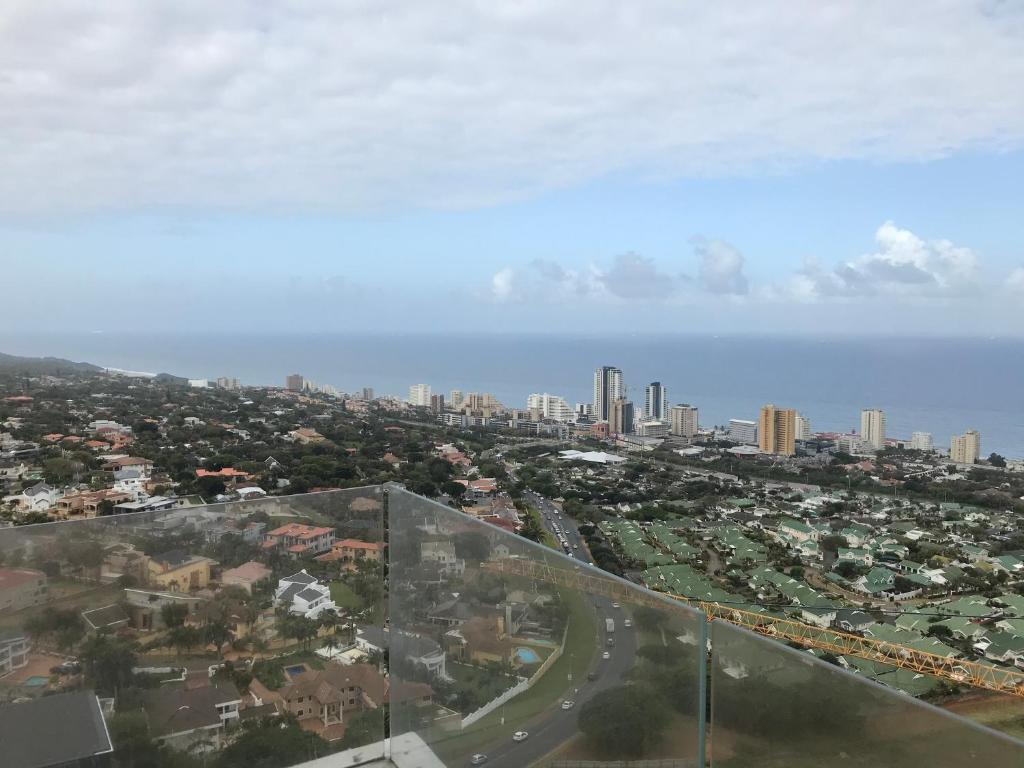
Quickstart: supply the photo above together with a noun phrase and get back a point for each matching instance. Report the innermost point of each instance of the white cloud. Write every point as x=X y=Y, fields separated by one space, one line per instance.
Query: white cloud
x=903 y=265
x=544 y=280
x=721 y=267
x=637 y=277
x=297 y=106
x=1015 y=281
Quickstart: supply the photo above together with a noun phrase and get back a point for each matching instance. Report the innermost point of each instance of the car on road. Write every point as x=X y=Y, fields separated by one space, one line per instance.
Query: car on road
x=591 y=676
x=611 y=641
x=627 y=623
x=615 y=605
x=568 y=704
x=520 y=736
x=604 y=656
x=478 y=759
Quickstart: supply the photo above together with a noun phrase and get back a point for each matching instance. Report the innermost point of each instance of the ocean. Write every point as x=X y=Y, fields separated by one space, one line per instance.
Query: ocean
x=942 y=386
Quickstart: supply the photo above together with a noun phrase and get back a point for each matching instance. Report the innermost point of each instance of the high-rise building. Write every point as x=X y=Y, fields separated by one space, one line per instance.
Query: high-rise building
x=549 y=407
x=743 y=432
x=620 y=417
x=455 y=399
x=655 y=401
x=872 y=429
x=366 y=394
x=684 y=420
x=965 y=448
x=608 y=387
x=651 y=428
x=584 y=411
x=294 y=382
x=803 y=427
x=228 y=382
x=922 y=441
x=419 y=394
x=437 y=403
x=776 y=430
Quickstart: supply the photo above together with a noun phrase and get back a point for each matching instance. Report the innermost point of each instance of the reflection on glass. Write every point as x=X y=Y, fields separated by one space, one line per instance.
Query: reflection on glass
x=178 y=637
x=509 y=651
x=776 y=706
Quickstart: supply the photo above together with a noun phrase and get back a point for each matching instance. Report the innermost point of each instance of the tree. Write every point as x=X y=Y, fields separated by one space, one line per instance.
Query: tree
x=625 y=720
x=108 y=662
x=173 y=614
x=271 y=743
x=996 y=460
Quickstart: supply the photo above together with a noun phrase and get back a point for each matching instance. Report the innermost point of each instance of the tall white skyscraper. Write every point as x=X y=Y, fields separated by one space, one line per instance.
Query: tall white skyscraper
x=965 y=448
x=684 y=420
x=872 y=428
x=803 y=427
x=550 y=407
x=655 y=401
x=922 y=441
x=743 y=431
x=608 y=387
x=455 y=399
x=419 y=394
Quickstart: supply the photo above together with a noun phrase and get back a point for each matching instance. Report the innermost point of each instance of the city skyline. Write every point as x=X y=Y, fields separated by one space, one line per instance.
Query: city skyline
x=612 y=197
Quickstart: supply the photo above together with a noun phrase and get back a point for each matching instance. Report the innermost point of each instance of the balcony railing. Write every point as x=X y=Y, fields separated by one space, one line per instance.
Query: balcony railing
x=372 y=624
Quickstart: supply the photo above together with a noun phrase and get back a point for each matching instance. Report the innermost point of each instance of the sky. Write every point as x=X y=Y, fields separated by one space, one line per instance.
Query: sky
x=791 y=167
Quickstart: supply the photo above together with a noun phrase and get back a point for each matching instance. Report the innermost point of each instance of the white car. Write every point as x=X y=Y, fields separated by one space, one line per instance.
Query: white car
x=568 y=704
x=606 y=655
x=627 y=623
x=520 y=736
x=615 y=605
x=478 y=759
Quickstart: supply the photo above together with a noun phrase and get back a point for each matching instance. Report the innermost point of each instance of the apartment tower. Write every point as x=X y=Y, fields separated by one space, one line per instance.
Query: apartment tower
x=872 y=428
x=608 y=387
x=655 y=405
x=684 y=421
x=776 y=430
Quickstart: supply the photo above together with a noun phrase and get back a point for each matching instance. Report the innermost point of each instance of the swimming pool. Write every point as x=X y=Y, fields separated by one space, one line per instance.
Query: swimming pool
x=298 y=669
x=527 y=656
x=36 y=680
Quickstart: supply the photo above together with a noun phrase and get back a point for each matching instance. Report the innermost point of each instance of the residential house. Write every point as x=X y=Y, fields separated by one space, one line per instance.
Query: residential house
x=298 y=539
x=119 y=463
x=180 y=571
x=145 y=607
x=353 y=551
x=322 y=700
x=37 y=498
x=306 y=436
x=421 y=651
x=21 y=588
x=852 y=620
x=193 y=716
x=304 y=595
x=90 y=504
x=479 y=640
x=14 y=648
x=819 y=617
x=245 y=576
x=442 y=555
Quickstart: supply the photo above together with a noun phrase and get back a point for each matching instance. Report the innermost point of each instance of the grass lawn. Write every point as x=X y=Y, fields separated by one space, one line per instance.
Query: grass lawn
x=486 y=684
x=342 y=594
x=577 y=657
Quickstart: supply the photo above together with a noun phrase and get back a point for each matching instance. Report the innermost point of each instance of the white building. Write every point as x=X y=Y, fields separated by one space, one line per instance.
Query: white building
x=803 y=427
x=743 y=432
x=37 y=498
x=608 y=387
x=965 y=448
x=684 y=420
x=655 y=402
x=304 y=595
x=455 y=399
x=419 y=394
x=872 y=428
x=922 y=441
x=132 y=482
x=550 y=407
x=651 y=428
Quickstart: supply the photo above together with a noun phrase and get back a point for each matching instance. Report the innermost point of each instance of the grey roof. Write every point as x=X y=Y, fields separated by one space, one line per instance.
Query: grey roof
x=127 y=474
x=300 y=578
x=309 y=595
x=290 y=591
x=53 y=730
x=179 y=709
x=107 y=616
x=37 y=489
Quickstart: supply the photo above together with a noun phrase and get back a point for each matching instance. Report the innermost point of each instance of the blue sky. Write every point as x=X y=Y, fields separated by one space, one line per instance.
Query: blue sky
x=825 y=168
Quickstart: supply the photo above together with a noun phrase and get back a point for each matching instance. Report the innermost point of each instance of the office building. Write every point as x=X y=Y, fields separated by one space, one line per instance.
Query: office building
x=455 y=399
x=584 y=411
x=684 y=422
x=803 y=427
x=652 y=428
x=294 y=382
x=437 y=403
x=922 y=441
x=608 y=387
x=620 y=421
x=965 y=448
x=228 y=382
x=776 y=430
x=743 y=432
x=419 y=395
x=872 y=429
x=655 y=405
x=366 y=394
x=549 y=407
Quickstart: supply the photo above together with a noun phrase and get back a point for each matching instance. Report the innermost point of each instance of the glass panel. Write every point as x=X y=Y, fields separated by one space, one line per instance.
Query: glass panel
x=236 y=614
x=772 y=705
x=507 y=649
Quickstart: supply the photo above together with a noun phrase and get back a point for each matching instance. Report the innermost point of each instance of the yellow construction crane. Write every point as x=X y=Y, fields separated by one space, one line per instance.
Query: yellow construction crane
x=987 y=676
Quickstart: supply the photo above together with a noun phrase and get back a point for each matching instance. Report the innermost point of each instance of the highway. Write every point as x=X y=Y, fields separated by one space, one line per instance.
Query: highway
x=554 y=726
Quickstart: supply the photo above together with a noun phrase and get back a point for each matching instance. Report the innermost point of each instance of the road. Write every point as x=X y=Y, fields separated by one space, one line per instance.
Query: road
x=554 y=726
